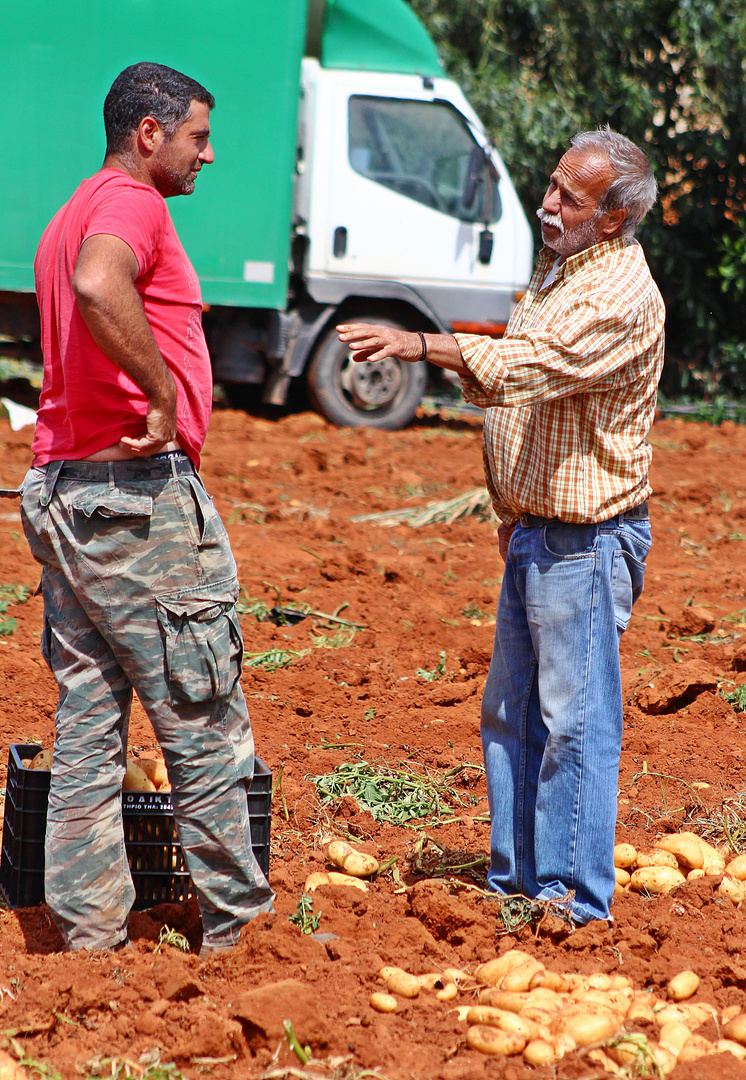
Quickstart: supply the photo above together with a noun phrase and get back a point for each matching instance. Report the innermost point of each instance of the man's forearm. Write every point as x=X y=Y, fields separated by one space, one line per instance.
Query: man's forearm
x=111 y=308
x=372 y=342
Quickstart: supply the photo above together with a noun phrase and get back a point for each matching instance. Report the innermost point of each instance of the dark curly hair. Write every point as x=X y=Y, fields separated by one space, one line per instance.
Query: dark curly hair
x=149 y=90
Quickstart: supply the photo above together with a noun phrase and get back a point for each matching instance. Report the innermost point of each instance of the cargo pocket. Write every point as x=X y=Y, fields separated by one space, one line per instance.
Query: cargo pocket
x=202 y=643
x=114 y=504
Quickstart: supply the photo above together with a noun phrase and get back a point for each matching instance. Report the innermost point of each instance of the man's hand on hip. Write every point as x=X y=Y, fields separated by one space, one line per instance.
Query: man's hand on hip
x=504 y=533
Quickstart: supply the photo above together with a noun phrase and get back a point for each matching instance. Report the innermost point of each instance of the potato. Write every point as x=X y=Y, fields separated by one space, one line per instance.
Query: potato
x=671 y=1014
x=502 y=999
x=694 y=875
x=729 y=1046
x=641 y=1009
x=620 y=982
x=387 y=971
x=550 y=980
x=517 y=981
x=600 y=1057
x=26 y=762
x=737 y=868
x=42 y=761
x=624 y=1051
x=359 y=864
x=318 y=879
x=433 y=980
x=385 y=1003
x=539 y=1052
x=682 y=986
x=673 y=1036
x=10 y=1069
x=135 y=779
x=448 y=993
x=663 y=1058
x=656 y=879
x=694 y=1048
x=625 y=855
x=729 y=1012
x=656 y=857
x=490 y=1040
x=623 y=877
x=688 y=852
x=354 y=862
x=403 y=984
x=490 y=973
x=539 y=1016
x=337 y=852
x=732 y=889
x=544 y=998
x=563 y=1044
x=712 y=855
x=735 y=1029
x=588 y=1027
x=154 y=770
x=599 y=981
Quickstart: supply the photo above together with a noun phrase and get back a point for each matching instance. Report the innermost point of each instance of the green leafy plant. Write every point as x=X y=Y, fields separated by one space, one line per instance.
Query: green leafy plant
x=304 y=918
x=399 y=797
x=736 y=698
x=171 y=937
x=437 y=672
x=11 y=594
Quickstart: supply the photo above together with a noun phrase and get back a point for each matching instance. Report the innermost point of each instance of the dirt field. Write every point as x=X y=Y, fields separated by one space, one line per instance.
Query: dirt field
x=426 y=598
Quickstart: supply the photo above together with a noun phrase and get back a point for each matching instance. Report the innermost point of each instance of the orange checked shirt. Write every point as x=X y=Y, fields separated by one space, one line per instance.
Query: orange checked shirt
x=570 y=390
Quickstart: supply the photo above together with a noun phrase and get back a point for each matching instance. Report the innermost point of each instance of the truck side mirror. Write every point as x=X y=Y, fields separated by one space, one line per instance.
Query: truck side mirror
x=474 y=177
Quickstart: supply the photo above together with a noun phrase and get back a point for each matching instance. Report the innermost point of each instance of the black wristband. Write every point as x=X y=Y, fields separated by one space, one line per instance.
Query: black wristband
x=424 y=345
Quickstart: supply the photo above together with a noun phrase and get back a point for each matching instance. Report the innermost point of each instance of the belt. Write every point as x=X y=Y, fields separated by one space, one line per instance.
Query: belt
x=534 y=521
x=158 y=467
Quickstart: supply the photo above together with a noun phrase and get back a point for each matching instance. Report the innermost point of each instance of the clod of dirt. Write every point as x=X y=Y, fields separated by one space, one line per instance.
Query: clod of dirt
x=677 y=687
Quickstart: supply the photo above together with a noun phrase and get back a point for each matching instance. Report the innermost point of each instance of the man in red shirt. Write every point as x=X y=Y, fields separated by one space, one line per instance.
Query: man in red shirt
x=138 y=578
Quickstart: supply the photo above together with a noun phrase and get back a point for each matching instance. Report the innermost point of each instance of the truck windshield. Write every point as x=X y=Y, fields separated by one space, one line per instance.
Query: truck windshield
x=424 y=150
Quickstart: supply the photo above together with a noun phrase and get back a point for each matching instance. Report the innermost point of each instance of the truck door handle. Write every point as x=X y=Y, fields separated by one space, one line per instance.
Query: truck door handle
x=340 y=242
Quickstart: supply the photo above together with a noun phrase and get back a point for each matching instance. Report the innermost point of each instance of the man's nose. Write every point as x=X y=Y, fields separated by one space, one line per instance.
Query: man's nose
x=207 y=156
x=551 y=201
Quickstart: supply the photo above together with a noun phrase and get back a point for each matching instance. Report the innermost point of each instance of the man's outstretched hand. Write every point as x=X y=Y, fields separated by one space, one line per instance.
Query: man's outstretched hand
x=368 y=341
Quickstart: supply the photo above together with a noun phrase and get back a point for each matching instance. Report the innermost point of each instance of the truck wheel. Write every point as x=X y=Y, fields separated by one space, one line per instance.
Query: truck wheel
x=382 y=395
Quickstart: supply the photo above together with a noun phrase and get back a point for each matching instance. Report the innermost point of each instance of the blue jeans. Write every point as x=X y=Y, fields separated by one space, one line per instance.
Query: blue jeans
x=552 y=709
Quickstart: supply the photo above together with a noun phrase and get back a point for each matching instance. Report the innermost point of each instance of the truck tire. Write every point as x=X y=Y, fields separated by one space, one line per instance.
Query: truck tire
x=381 y=395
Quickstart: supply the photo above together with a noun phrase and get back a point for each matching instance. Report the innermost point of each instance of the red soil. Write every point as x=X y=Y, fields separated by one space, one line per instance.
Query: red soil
x=288 y=491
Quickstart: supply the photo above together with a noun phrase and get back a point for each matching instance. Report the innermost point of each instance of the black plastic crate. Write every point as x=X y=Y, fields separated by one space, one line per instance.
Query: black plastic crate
x=153 y=849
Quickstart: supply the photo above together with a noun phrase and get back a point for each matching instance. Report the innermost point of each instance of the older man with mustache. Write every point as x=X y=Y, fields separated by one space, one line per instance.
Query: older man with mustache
x=570 y=395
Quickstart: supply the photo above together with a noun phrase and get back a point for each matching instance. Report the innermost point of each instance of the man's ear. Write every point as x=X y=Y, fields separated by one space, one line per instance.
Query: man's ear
x=612 y=222
x=149 y=134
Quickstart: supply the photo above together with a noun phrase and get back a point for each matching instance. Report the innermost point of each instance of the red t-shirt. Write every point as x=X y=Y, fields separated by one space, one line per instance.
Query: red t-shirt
x=87 y=402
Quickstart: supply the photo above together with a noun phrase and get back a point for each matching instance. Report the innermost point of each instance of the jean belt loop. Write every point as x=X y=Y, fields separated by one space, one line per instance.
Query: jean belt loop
x=111 y=474
x=174 y=470
x=50 y=482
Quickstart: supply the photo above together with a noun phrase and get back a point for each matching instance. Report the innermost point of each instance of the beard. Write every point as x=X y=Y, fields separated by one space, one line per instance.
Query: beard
x=571 y=241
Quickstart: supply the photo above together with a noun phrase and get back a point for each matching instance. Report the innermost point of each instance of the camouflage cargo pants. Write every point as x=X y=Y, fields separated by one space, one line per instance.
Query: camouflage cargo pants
x=139 y=587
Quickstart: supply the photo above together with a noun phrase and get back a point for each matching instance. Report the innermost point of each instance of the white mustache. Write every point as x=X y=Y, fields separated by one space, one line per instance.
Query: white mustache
x=550 y=219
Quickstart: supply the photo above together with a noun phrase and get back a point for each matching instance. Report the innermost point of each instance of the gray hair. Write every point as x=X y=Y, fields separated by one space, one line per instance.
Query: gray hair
x=634 y=189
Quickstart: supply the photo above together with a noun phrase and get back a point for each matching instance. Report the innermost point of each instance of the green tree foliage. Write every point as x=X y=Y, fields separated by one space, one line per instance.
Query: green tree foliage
x=670 y=74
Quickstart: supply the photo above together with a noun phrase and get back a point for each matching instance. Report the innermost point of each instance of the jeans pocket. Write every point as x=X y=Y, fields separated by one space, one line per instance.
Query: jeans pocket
x=203 y=646
x=628 y=575
x=570 y=541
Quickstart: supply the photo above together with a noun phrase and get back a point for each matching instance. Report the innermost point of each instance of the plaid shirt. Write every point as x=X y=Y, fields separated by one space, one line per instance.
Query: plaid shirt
x=571 y=388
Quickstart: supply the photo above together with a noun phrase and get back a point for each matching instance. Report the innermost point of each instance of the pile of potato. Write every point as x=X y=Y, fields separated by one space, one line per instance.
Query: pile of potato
x=675 y=859
x=143 y=774
x=352 y=863
x=543 y=1015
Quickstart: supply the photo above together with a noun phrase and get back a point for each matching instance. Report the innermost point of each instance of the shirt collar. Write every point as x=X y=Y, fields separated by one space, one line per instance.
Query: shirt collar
x=574 y=263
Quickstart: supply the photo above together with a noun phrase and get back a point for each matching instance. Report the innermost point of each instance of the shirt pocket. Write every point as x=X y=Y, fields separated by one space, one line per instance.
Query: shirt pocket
x=203 y=645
